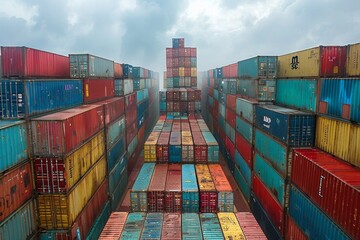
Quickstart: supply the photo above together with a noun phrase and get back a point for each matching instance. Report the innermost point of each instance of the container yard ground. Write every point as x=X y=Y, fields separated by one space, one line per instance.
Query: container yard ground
x=240 y=204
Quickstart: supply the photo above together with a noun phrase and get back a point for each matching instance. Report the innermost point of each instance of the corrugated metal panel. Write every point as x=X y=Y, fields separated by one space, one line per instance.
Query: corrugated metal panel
x=114 y=131
x=340 y=98
x=150 y=147
x=230 y=226
x=171 y=229
x=245 y=129
x=133 y=226
x=138 y=194
x=293 y=231
x=338 y=138
x=86 y=66
x=243 y=167
x=241 y=182
x=190 y=226
x=173 y=194
x=210 y=226
x=213 y=147
x=175 y=147
x=13 y=145
x=257 y=89
x=190 y=192
x=152 y=226
x=119 y=191
x=97 y=89
x=156 y=191
x=118 y=173
x=313 y=222
x=250 y=227
x=353 y=60
x=100 y=223
x=114 y=226
x=245 y=108
x=162 y=147
x=187 y=147
x=23 y=98
x=230 y=132
x=208 y=194
x=292 y=127
x=115 y=153
x=297 y=93
x=260 y=66
x=228 y=86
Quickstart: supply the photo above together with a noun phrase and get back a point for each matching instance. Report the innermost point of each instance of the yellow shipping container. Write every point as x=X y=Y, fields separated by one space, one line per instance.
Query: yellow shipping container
x=59 y=211
x=193 y=72
x=353 y=60
x=205 y=180
x=230 y=226
x=181 y=71
x=150 y=147
x=339 y=138
x=186 y=134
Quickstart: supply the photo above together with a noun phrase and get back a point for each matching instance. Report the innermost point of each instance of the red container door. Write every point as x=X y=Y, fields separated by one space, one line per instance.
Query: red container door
x=231 y=102
x=173 y=196
x=230 y=118
x=333 y=61
x=230 y=147
x=130 y=101
x=200 y=147
x=208 y=202
x=50 y=175
x=244 y=148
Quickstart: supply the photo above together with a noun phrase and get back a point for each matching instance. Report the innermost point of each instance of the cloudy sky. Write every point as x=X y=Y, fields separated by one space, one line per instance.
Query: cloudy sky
x=138 y=31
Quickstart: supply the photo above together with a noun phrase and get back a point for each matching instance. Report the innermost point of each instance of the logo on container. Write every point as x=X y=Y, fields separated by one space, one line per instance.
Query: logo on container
x=294 y=62
x=267 y=121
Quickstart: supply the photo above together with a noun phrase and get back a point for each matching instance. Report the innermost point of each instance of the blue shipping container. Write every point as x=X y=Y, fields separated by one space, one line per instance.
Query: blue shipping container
x=133 y=226
x=175 y=147
x=190 y=226
x=241 y=182
x=127 y=70
x=119 y=192
x=115 y=131
x=138 y=193
x=228 y=86
x=13 y=145
x=152 y=226
x=230 y=132
x=190 y=192
x=340 y=98
x=293 y=127
x=100 y=223
x=243 y=167
x=213 y=147
x=117 y=173
x=132 y=145
x=258 y=67
x=210 y=226
x=116 y=152
x=23 y=98
x=312 y=221
x=245 y=129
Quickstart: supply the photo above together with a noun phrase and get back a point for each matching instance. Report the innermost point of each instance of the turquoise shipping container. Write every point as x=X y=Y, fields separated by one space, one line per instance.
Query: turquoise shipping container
x=169 y=83
x=190 y=226
x=245 y=108
x=230 y=132
x=133 y=226
x=222 y=110
x=100 y=222
x=244 y=168
x=14 y=144
x=311 y=220
x=117 y=173
x=190 y=190
x=213 y=147
x=210 y=226
x=228 y=86
x=21 y=224
x=258 y=67
x=152 y=226
x=210 y=101
x=245 y=129
x=132 y=145
x=221 y=122
x=162 y=106
x=241 y=182
x=138 y=193
x=176 y=81
x=30 y=97
x=271 y=178
x=115 y=131
x=216 y=94
x=119 y=192
x=116 y=152
x=297 y=93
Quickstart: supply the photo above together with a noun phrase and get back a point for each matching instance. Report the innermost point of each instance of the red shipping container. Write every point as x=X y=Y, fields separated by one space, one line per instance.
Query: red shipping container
x=163 y=117
x=200 y=147
x=169 y=53
x=175 y=72
x=181 y=42
x=59 y=133
x=222 y=135
x=176 y=127
x=197 y=94
x=230 y=147
x=131 y=115
x=169 y=95
x=244 y=148
x=146 y=73
x=211 y=73
x=162 y=147
x=250 y=226
x=175 y=65
x=233 y=70
x=333 y=61
x=193 y=81
x=114 y=226
x=185 y=126
x=169 y=63
x=118 y=71
x=169 y=106
x=169 y=71
x=131 y=131
x=28 y=62
x=173 y=194
x=176 y=106
x=175 y=52
x=113 y=109
x=193 y=52
x=97 y=89
x=211 y=92
x=176 y=95
x=130 y=101
x=141 y=135
x=230 y=118
x=132 y=160
x=269 y=203
x=231 y=102
x=187 y=65
x=181 y=52
x=226 y=71
x=181 y=61
x=187 y=52
x=331 y=184
x=184 y=108
x=156 y=190
x=187 y=71
x=293 y=232
x=195 y=127
x=190 y=94
x=15 y=189
x=171 y=228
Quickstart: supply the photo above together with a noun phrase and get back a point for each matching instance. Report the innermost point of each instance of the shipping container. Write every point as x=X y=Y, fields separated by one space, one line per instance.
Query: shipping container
x=244 y=148
x=245 y=108
x=28 y=62
x=200 y=147
x=331 y=184
x=245 y=129
x=241 y=182
x=59 y=133
x=114 y=108
x=223 y=187
x=114 y=131
x=162 y=147
x=24 y=98
x=230 y=226
x=340 y=98
x=258 y=67
x=249 y=226
x=243 y=167
x=138 y=193
x=322 y=61
x=59 y=211
x=120 y=190
x=311 y=220
x=257 y=89
x=123 y=87
x=118 y=70
x=90 y=66
x=173 y=190
x=114 y=226
x=187 y=147
x=152 y=226
x=210 y=226
x=190 y=191
x=127 y=70
x=342 y=139
x=116 y=152
x=150 y=147
x=212 y=147
x=118 y=173
x=175 y=147
x=171 y=228
x=156 y=191
x=14 y=143
x=353 y=60
x=96 y=90
x=293 y=127
x=60 y=174
x=297 y=93
x=100 y=223
x=190 y=226
x=230 y=117
x=208 y=195
x=228 y=86
x=293 y=231
x=21 y=224
x=133 y=145
x=133 y=226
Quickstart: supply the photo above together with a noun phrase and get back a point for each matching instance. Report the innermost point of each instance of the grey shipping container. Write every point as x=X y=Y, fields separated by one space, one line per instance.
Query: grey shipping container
x=88 y=66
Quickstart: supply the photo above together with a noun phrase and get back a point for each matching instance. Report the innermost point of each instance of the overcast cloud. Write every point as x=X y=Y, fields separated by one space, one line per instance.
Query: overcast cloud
x=138 y=31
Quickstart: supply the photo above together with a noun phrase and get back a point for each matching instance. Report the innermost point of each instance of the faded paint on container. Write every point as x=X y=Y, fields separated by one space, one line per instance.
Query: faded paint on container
x=14 y=144
x=241 y=182
x=245 y=149
x=123 y=87
x=258 y=67
x=190 y=226
x=20 y=225
x=133 y=145
x=230 y=226
x=138 y=193
x=339 y=138
x=114 y=131
x=100 y=223
x=173 y=194
x=245 y=129
x=133 y=226
x=243 y=167
x=114 y=108
x=208 y=194
x=150 y=147
x=213 y=147
x=152 y=226
x=353 y=60
x=249 y=225
x=88 y=66
x=118 y=70
x=187 y=147
x=114 y=226
x=162 y=147
x=322 y=61
x=119 y=192
x=210 y=226
x=245 y=108
x=156 y=191
x=118 y=173
x=311 y=219
x=230 y=132
x=96 y=90
x=68 y=207
x=340 y=98
x=171 y=229
x=290 y=126
x=115 y=153
x=190 y=192
x=297 y=93
x=257 y=89
x=228 y=86
x=24 y=98
x=293 y=231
